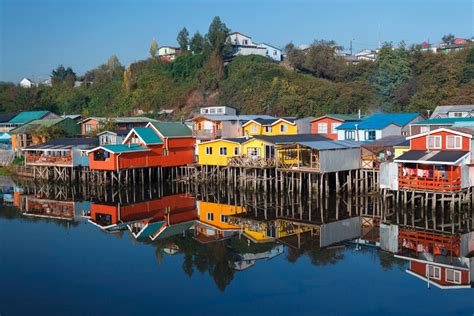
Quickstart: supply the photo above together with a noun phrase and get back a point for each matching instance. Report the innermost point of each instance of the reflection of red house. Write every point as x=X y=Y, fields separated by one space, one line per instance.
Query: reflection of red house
x=443 y=272
x=439 y=160
x=326 y=125
x=429 y=242
x=159 y=144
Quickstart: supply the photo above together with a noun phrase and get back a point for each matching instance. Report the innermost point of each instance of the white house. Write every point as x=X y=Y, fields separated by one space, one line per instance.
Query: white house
x=168 y=53
x=453 y=111
x=366 y=54
x=221 y=110
x=243 y=45
x=27 y=83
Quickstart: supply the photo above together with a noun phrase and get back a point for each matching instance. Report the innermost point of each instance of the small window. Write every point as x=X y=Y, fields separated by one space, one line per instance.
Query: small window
x=245 y=42
x=453 y=276
x=208 y=150
x=210 y=216
x=350 y=135
x=84 y=153
x=334 y=127
x=370 y=135
x=236 y=151
x=322 y=128
x=283 y=128
x=224 y=218
x=453 y=142
x=254 y=129
x=290 y=154
x=219 y=110
x=424 y=129
x=223 y=151
x=268 y=129
x=274 y=52
x=433 y=272
x=434 y=142
x=212 y=111
x=253 y=151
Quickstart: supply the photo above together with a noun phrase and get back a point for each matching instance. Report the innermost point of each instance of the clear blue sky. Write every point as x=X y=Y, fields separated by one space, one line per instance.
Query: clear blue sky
x=38 y=35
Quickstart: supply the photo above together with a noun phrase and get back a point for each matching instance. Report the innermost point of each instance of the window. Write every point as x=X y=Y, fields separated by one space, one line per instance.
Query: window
x=457 y=114
x=253 y=151
x=350 y=135
x=274 y=52
x=433 y=142
x=322 y=128
x=433 y=272
x=283 y=128
x=210 y=216
x=424 y=129
x=290 y=154
x=253 y=129
x=453 y=142
x=268 y=129
x=219 y=110
x=333 y=127
x=223 y=151
x=369 y=135
x=224 y=218
x=236 y=151
x=83 y=153
x=453 y=276
x=245 y=42
x=213 y=111
x=208 y=150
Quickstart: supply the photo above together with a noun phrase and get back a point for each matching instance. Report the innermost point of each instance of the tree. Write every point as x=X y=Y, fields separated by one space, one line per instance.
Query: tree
x=115 y=68
x=183 y=39
x=197 y=43
x=447 y=39
x=217 y=36
x=62 y=75
x=153 y=48
x=127 y=79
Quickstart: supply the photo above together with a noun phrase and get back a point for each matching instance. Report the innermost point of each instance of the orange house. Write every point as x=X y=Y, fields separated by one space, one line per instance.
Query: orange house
x=159 y=144
x=439 y=160
x=326 y=125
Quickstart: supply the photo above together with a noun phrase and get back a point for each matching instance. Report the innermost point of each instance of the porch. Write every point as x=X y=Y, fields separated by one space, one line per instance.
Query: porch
x=251 y=162
x=297 y=157
x=49 y=158
x=439 y=178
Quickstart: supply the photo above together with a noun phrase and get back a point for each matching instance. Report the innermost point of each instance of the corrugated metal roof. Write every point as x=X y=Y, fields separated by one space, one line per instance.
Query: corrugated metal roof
x=288 y=139
x=341 y=117
x=444 y=109
x=173 y=129
x=120 y=148
x=380 y=121
x=148 y=135
x=388 y=141
x=330 y=144
x=25 y=117
x=244 y=118
x=66 y=143
x=432 y=157
x=445 y=121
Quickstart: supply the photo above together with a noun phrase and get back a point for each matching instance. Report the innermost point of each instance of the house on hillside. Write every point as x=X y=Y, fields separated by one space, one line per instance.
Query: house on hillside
x=273 y=52
x=327 y=125
x=243 y=45
x=92 y=125
x=437 y=123
x=25 y=117
x=32 y=133
x=159 y=144
x=377 y=126
x=453 y=111
x=439 y=160
x=217 y=152
x=219 y=110
x=112 y=137
x=27 y=83
x=168 y=53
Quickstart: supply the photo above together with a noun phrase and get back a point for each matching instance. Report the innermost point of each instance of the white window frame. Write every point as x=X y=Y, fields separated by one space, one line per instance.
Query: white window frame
x=350 y=135
x=424 y=129
x=334 y=126
x=209 y=150
x=220 y=151
x=367 y=133
x=210 y=216
x=252 y=150
x=254 y=129
x=455 y=141
x=268 y=129
x=322 y=128
x=283 y=128
x=435 y=137
x=456 y=273
x=436 y=270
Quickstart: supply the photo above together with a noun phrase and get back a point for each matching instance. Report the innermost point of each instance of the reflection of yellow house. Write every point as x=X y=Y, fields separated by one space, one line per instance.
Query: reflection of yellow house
x=270 y=127
x=217 y=152
x=271 y=230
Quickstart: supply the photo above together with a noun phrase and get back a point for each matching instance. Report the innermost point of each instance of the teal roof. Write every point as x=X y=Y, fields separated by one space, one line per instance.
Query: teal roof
x=173 y=129
x=445 y=121
x=150 y=229
x=121 y=148
x=173 y=230
x=25 y=117
x=380 y=121
x=148 y=135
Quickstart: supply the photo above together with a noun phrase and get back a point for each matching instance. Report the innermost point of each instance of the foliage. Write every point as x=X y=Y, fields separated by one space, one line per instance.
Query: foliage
x=216 y=37
x=196 y=45
x=153 y=48
x=448 y=38
x=5 y=172
x=183 y=39
x=61 y=75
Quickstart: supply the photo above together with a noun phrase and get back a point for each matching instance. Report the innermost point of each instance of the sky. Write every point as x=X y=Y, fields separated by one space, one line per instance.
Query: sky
x=38 y=35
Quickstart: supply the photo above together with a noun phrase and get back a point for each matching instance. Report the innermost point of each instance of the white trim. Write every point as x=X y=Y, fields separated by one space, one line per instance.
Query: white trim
x=444 y=287
x=455 y=138
x=455 y=272
x=433 y=162
x=435 y=137
x=440 y=130
x=431 y=262
x=274 y=123
x=134 y=131
x=219 y=140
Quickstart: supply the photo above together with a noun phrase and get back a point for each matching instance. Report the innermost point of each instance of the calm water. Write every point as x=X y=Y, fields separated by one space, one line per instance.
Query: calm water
x=52 y=263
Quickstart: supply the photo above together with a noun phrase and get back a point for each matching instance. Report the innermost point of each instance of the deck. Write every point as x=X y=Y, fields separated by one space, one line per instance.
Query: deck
x=429 y=184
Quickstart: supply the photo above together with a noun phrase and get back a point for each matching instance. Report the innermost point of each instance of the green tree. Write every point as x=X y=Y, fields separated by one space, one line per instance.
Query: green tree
x=153 y=48
x=61 y=75
x=183 y=39
x=217 y=37
x=197 y=43
x=448 y=38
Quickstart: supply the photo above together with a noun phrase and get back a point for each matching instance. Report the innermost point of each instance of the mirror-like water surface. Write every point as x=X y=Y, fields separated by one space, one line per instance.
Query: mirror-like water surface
x=175 y=249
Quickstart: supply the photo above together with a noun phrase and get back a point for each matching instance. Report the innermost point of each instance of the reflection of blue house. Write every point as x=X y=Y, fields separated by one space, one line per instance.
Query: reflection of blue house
x=5 y=140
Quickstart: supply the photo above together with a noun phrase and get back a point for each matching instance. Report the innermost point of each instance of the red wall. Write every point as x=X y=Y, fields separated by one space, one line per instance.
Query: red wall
x=419 y=143
x=109 y=164
x=329 y=121
x=420 y=269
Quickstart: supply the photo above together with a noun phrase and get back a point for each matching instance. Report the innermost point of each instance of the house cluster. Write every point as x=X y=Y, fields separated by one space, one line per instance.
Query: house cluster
x=454 y=45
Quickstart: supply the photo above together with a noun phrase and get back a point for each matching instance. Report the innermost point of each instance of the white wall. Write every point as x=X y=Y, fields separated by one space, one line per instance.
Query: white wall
x=392 y=129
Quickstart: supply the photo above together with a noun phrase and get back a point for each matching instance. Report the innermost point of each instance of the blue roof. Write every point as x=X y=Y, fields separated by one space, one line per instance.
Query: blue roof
x=380 y=121
x=148 y=135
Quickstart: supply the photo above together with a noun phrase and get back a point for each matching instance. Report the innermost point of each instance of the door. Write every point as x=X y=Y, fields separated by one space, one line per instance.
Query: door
x=269 y=151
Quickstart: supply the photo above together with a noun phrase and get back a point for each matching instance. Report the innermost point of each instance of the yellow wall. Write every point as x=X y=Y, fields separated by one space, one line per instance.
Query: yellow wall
x=255 y=143
x=281 y=232
x=216 y=159
x=399 y=150
x=218 y=210
x=291 y=129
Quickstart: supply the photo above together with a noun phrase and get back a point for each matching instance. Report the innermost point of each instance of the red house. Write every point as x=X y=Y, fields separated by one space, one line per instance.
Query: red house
x=159 y=144
x=439 y=160
x=327 y=124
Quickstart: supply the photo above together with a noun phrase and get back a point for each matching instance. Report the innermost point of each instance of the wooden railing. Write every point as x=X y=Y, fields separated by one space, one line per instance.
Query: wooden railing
x=250 y=162
x=207 y=134
x=48 y=160
x=429 y=184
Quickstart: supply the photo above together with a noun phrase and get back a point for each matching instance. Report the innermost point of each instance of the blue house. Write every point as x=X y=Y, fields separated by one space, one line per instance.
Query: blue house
x=376 y=126
x=272 y=52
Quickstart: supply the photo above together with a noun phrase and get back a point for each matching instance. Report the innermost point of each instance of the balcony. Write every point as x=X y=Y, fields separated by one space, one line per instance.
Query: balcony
x=429 y=184
x=207 y=134
x=41 y=160
x=251 y=162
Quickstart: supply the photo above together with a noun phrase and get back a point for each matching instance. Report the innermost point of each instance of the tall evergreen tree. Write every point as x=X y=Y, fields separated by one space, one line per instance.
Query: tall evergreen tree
x=197 y=43
x=183 y=39
x=153 y=48
x=217 y=36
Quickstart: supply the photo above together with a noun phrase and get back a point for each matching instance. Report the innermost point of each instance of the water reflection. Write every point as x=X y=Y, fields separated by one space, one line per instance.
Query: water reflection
x=223 y=232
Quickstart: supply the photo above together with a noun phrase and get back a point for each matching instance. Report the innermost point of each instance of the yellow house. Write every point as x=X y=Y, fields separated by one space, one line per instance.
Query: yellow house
x=400 y=150
x=269 y=231
x=217 y=152
x=270 y=127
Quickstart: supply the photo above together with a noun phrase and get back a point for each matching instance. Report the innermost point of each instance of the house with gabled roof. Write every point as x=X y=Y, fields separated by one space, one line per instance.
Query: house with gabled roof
x=270 y=127
x=327 y=125
x=453 y=111
x=23 y=118
x=376 y=126
x=94 y=124
x=440 y=122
